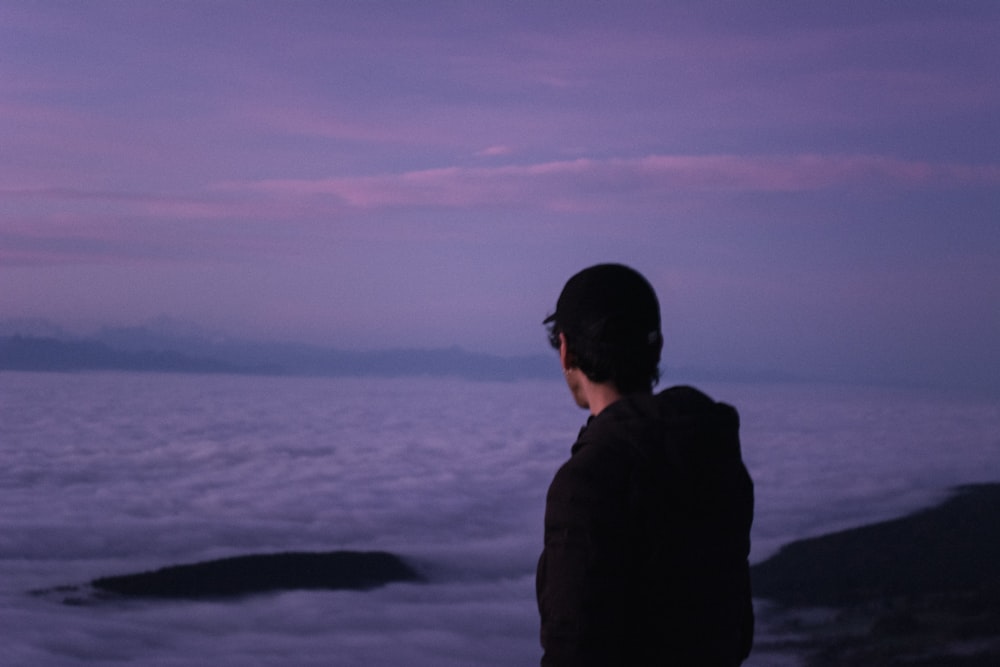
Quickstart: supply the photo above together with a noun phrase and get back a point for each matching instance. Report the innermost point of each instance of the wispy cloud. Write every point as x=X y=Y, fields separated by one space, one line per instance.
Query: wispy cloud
x=494 y=151
x=552 y=184
x=233 y=217
x=49 y=225
x=123 y=204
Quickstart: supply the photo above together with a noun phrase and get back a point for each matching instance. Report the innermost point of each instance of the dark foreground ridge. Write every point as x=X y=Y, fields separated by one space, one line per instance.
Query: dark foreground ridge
x=263 y=573
x=920 y=590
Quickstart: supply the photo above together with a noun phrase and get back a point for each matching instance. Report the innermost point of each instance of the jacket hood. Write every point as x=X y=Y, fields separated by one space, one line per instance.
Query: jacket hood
x=683 y=414
x=680 y=431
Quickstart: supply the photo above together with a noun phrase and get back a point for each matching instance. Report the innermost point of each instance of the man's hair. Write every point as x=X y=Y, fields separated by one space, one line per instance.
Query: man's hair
x=610 y=317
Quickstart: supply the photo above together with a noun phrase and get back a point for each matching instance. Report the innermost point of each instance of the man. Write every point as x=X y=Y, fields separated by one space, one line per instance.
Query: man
x=647 y=524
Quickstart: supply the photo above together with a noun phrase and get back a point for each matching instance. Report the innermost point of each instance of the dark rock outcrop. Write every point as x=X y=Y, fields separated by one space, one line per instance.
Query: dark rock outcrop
x=920 y=590
x=263 y=573
x=952 y=547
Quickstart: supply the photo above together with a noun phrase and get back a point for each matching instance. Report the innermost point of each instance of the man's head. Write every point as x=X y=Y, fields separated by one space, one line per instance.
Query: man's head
x=610 y=318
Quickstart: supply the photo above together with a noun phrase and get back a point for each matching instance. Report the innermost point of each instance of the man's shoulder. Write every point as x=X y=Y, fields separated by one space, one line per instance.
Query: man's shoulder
x=595 y=476
x=600 y=454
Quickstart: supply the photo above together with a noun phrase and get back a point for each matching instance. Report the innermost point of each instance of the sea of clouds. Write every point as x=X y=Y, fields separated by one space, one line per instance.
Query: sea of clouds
x=111 y=473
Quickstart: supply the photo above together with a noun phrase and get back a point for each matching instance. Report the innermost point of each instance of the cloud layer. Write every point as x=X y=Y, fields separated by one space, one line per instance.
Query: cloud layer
x=107 y=473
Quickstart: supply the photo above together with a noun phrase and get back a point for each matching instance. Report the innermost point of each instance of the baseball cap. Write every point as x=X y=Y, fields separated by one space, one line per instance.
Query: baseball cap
x=608 y=303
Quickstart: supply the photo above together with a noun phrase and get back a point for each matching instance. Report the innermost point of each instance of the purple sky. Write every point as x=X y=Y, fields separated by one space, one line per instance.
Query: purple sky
x=811 y=187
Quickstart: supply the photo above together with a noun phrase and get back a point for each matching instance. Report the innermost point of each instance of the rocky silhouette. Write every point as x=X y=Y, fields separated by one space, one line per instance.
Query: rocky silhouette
x=263 y=573
x=919 y=590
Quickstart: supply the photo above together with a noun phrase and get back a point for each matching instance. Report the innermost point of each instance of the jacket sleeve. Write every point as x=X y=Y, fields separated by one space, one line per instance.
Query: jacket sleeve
x=580 y=582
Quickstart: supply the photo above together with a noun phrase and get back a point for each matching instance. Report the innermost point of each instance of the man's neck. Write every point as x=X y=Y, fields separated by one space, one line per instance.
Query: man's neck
x=599 y=395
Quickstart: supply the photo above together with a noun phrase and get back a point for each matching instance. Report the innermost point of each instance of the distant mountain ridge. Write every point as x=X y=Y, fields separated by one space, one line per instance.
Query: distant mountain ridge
x=168 y=345
x=144 y=350
x=33 y=353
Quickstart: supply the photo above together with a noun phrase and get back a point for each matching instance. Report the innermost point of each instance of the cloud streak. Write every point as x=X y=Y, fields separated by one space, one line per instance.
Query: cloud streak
x=225 y=218
x=553 y=184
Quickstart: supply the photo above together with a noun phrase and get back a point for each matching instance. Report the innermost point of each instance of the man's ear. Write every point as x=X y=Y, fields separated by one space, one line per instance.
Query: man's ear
x=564 y=356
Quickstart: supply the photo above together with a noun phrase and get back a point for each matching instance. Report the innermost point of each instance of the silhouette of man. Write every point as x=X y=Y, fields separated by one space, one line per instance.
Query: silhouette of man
x=647 y=524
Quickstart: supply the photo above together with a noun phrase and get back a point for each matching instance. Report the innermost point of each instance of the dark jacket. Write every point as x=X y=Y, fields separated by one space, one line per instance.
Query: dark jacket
x=647 y=533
